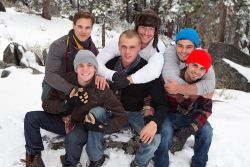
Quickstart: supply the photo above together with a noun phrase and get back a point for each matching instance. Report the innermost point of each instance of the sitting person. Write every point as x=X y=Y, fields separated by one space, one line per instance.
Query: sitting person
x=132 y=99
x=188 y=117
x=65 y=115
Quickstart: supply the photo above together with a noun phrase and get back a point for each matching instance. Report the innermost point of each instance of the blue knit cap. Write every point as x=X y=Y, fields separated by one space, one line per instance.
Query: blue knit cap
x=189 y=34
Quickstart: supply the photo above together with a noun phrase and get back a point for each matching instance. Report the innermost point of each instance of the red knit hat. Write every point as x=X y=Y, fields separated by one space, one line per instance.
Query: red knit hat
x=201 y=57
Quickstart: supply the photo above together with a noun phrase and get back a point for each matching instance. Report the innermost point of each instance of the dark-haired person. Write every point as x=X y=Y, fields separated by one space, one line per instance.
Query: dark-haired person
x=147 y=24
x=187 y=40
x=63 y=50
x=188 y=116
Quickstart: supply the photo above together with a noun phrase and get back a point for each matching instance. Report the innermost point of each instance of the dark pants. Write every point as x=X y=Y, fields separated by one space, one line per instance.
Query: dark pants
x=74 y=141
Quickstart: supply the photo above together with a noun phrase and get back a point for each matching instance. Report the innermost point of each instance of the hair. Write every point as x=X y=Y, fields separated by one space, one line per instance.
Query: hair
x=148 y=17
x=130 y=34
x=83 y=14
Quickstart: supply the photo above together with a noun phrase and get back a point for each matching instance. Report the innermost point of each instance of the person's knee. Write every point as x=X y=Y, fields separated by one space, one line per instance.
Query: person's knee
x=76 y=137
x=31 y=116
x=206 y=132
x=98 y=112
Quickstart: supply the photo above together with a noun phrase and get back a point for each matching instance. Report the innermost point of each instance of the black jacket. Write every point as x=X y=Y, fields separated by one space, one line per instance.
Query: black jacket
x=132 y=97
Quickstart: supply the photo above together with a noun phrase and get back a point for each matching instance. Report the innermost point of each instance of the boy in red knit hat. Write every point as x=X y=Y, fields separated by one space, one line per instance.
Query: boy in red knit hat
x=188 y=116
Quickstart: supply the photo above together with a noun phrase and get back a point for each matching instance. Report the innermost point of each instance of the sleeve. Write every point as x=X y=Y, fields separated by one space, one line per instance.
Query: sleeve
x=203 y=111
x=150 y=71
x=207 y=83
x=154 y=67
x=107 y=53
x=53 y=67
x=159 y=101
x=171 y=67
x=111 y=103
x=53 y=103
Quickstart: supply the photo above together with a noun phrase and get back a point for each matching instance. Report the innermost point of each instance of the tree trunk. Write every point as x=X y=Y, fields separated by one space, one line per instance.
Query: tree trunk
x=127 y=11
x=237 y=34
x=103 y=32
x=222 y=24
x=170 y=29
x=46 y=11
x=2 y=8
x=157 y=6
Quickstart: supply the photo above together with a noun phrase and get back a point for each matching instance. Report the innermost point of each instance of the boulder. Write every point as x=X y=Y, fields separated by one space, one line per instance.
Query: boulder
x=13 y=53
x=226 y=76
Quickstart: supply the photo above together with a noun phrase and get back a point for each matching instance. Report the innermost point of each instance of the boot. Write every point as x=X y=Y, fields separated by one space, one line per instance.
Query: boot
x=62 y=161
x=33 y=160
x=132 y=164
x=98 y=163
x=177 y=145
x=62 y=157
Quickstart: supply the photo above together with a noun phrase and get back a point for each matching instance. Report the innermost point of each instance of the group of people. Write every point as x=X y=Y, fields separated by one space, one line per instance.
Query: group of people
x=163 y=94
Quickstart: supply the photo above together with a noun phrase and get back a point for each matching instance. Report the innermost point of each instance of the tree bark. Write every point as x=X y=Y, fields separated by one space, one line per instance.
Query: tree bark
x=103 y=31
x=2 y=8
x=222 y=24
x=46 y=10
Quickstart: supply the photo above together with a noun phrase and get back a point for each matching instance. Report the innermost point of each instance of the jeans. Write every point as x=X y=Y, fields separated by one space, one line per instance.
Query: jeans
x=203 y=139
x=74 y=141
x=94 y=145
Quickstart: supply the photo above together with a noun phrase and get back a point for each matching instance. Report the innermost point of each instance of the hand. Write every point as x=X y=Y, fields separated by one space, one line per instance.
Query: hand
x=101 y=82
x=92 y=124
x=180 y=137
x=148 y=132
x=78 y=96
x=120 y=80
x=171 y=86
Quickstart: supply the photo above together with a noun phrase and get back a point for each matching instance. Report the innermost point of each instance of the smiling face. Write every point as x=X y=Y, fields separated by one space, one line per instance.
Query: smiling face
x=129 y=48
x=146 y=34
x=83 y=28
x=194 y=72
x=85 y=72
x=183 y=49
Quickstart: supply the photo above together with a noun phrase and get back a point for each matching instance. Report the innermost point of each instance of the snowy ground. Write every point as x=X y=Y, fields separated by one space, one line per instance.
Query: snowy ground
x=20 y=93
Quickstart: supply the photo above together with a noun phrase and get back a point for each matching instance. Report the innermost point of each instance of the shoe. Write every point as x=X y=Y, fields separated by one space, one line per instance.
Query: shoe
x=132 y=164
x=98 y=163
x=33 y=160
x=62 y=157
x=177 y=145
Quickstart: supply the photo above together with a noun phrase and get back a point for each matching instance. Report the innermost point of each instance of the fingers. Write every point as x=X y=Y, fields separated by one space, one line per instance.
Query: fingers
x=84 y=97
x=146 y=138
x=90 y=118
x=100 y=82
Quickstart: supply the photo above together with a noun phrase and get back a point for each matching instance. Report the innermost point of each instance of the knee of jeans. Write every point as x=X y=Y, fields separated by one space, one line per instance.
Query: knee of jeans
x=98 y=112
x=31 y=117
x=76 y=137
x=207 y=132
x=166 y=128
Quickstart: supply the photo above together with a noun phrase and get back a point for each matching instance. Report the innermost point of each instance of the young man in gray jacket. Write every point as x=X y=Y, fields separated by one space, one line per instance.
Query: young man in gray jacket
x=174 y=57
x=62 y=53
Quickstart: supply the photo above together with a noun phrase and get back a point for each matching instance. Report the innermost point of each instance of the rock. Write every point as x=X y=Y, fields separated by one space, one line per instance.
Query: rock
x=5 y=74
x=226 y=76
x=13 y=53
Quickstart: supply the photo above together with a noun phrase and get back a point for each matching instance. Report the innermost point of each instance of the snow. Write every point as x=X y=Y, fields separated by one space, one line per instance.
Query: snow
x=20 y=92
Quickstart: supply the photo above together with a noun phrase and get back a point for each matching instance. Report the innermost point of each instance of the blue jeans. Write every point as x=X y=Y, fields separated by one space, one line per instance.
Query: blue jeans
x=94 y=145
x=74 y=141
x=203 y=139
